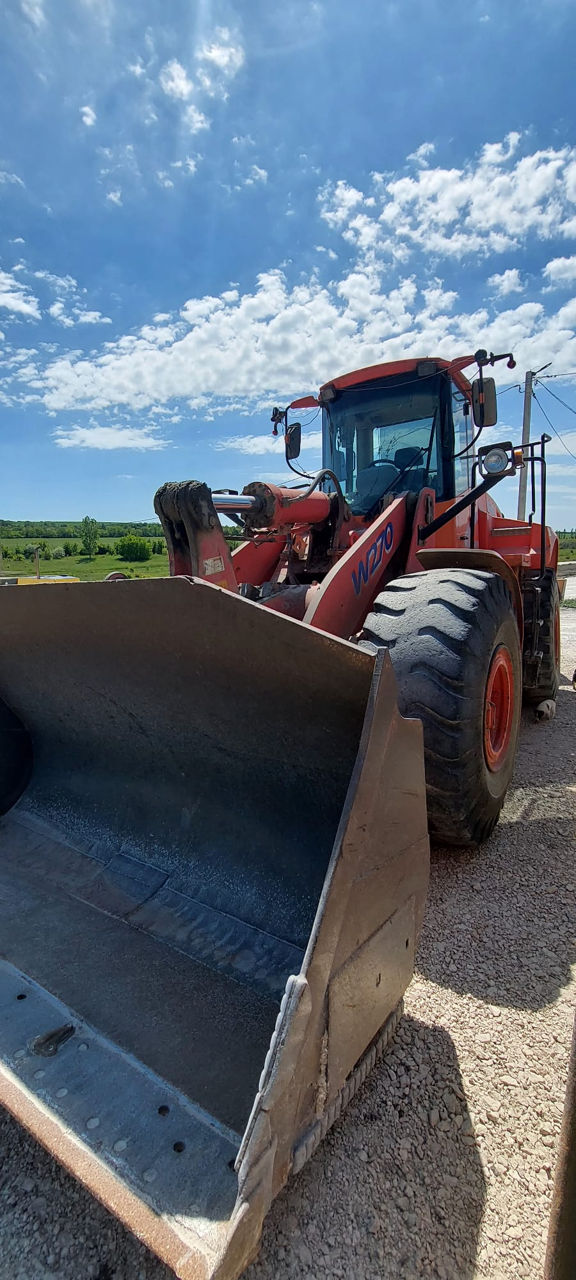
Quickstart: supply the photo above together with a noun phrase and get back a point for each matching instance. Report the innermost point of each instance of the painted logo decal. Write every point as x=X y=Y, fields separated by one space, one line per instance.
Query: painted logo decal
x=373 y=558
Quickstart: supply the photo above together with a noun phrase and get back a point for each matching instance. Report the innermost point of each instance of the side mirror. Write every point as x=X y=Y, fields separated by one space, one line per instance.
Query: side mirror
x=293 y=440
x=490 y=416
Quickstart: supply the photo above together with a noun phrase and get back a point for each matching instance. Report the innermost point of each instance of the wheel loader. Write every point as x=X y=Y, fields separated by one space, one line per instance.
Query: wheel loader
x=218 y=790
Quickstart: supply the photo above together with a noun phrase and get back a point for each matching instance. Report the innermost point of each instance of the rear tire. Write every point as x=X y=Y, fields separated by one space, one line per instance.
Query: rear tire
x=453 y=640
x=548 y=641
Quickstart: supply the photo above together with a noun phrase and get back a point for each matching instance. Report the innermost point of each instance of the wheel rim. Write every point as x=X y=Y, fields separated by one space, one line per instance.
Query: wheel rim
x=498 y=708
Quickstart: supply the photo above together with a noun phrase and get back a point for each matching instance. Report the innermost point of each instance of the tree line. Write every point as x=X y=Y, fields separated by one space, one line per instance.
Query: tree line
x=37 y=530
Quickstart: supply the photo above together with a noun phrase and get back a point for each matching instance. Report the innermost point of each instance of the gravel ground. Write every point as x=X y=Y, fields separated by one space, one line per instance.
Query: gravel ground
x=443 y=1164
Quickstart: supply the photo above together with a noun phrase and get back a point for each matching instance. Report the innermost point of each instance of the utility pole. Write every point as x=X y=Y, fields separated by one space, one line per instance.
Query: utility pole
x=525 y=440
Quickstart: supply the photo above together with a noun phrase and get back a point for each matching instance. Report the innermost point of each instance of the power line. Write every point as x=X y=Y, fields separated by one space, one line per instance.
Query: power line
x=553 y=428
x=562 y=402
x=571 y=374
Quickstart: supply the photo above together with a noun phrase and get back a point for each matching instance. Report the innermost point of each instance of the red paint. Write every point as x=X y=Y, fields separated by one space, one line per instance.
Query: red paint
x=340 y=606
x=498 y=708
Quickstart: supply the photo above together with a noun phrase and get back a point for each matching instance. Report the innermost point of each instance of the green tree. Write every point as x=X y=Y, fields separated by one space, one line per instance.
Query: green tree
x=89 y=530
x=58 y=553
x=132 y=548
x=70 y=548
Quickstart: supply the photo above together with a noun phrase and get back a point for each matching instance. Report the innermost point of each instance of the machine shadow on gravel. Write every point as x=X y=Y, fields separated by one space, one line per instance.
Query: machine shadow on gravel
x=397 y=1188
x=501 y=921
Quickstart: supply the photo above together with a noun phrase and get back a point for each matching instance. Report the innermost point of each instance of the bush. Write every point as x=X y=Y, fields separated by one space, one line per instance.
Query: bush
x=30 y=551
x=158 y=547
x=133 y=548
x=58 y=553
x=46 y=553
x=101 y=550
x=17 y=553
x=70 y=548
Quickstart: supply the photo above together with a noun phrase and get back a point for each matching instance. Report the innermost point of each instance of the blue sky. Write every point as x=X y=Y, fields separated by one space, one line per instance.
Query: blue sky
x=209 y=208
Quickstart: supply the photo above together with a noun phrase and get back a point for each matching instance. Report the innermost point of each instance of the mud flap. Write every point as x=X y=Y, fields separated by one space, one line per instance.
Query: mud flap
x=210 y=891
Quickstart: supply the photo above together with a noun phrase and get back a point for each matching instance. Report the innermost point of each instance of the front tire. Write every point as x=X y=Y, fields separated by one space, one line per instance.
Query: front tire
x=455 y=649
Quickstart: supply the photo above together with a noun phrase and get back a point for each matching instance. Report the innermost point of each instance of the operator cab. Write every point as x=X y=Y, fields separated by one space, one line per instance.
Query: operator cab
x=396 y=433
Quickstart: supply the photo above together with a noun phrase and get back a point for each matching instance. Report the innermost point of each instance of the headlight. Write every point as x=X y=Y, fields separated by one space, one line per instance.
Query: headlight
x=496 y=461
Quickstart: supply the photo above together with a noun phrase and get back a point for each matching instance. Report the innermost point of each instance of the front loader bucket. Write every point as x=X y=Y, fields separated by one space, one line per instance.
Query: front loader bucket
x=213 y=864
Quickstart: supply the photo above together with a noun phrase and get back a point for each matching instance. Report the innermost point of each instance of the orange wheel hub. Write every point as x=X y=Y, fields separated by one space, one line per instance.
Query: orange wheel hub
x=498 y=708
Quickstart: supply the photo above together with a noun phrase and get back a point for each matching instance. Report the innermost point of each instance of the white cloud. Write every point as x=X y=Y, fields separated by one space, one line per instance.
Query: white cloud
x=237 y=351
x=175 y=82
x=63 y=284
x=423 y=154
x=17 y=297
x=11 y=179
x=507 y=282
x=560 y=271
x=337 y=203
x=136 y=69
x=489 y=206
x=233 y=351
x=265 y=444
x=88 y=115
x=188 y=165
x=58 y=312
x=195 y=120
x=34 y=11
x=115 y=197
x=95 y=437
x=90 y=317
x=499 y=152
x=255 y=175
x=219 y=60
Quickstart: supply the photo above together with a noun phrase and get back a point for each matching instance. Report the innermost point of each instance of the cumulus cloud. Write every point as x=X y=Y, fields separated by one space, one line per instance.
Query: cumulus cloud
x=58 y=312
x=234 y=351
x=218 y=61
x=489 y=206
x=63 y=284
x=195 y=120
x=175 y=82
x=560 y=271
x=255 y=175
x=507 y=282
x=88 y=116
x=423 y=154
x=115 y=197
x=17 y=297
x=280 y=339
x=96 y=437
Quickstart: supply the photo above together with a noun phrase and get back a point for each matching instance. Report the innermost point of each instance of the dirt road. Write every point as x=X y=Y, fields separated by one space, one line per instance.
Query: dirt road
x=442 y=1166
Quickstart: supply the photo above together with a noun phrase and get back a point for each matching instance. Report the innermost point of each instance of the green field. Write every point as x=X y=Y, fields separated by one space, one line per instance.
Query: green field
x=88 y=570
x=15 y=538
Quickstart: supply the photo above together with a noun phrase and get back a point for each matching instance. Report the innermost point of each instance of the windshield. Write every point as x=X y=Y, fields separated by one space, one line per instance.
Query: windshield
x=383 y=440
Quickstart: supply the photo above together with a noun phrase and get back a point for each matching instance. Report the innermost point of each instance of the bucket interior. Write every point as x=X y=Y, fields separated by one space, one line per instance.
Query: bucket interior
x=188 y=755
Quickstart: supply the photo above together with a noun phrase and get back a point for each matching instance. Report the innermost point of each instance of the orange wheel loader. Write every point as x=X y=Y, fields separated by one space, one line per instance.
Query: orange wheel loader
x=217 y=790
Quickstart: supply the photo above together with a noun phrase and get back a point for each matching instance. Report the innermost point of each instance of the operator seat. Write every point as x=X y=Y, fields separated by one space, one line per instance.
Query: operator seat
x=414 y=478
x=371 y=483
